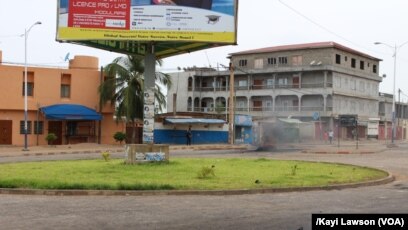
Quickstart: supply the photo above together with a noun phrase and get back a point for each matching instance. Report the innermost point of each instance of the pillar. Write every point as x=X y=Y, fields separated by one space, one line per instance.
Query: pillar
x=149 y=85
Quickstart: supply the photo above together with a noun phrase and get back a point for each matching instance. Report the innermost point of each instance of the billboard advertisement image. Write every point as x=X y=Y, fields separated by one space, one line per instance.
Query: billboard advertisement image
x=209 y=21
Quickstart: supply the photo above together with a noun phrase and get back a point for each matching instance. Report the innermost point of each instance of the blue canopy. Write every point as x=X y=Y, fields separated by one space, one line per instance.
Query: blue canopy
x=193 y=121
x=70 y=112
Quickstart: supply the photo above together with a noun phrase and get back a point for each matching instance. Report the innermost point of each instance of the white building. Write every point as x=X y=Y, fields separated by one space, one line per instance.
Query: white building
x=313 y=82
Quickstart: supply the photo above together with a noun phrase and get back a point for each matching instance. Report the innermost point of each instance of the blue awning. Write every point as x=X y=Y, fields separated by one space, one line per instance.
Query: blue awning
x=70 y=112
x=193 y=121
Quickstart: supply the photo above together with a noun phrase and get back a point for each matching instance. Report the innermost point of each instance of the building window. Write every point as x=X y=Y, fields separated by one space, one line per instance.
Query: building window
x=258 y=64
x=362 y=86
x=30 y=89
x=361 y=64
x=345 y=58
x=30 y=84
x=65 y=85
x=282 y=81
x=270 y=82
x=283 y=60
x=243 y=63
x=353 y=63
x=22 y=127
x=297 y=60
x=353 y=84
x=65 y=91
x=272 y=61
x=242 y=83
x=241 y=104
x=338 y=59
x=374 y=68
x=38 y=127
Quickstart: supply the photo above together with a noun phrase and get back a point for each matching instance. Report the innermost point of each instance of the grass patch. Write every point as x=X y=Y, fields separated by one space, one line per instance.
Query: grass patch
x=197 y=174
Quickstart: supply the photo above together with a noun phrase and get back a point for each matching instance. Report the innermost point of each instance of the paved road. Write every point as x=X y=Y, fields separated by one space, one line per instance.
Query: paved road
x=261 y=211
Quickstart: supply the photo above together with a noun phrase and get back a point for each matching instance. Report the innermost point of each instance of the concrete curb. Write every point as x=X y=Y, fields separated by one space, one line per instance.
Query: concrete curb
x=62 y=152
x=119 y=150
x=390 y=178
x=343 y=151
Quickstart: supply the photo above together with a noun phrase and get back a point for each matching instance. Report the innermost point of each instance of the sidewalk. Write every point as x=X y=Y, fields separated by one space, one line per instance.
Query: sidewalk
x=8 y=151
x=350 y=147
x=344 y=147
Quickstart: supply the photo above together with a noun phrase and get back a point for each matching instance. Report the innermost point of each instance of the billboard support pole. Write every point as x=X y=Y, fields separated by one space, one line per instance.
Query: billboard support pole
x=149 y=85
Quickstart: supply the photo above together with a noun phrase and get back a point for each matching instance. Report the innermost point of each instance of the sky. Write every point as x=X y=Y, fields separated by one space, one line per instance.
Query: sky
x=261 y=23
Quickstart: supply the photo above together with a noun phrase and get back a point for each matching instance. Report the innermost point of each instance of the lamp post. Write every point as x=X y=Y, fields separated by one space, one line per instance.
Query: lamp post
x=25 y=83
x=395 y=49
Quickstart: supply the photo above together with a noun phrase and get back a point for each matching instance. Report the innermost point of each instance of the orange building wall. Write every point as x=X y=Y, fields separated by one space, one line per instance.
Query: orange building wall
x=84 y=82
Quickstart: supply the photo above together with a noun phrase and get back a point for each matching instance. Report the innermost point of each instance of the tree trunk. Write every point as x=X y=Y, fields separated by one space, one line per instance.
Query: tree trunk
x=133 y=132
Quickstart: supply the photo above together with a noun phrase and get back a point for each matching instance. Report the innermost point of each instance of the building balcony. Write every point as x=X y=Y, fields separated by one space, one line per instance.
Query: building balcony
x=269 y=110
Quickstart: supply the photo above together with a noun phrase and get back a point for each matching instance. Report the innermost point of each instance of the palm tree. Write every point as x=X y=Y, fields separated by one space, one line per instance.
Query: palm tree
x=123 y=88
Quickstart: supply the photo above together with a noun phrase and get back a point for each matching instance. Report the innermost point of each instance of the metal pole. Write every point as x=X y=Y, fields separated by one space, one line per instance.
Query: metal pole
x=231 y=105
x=393 y=96
x=101 y=80
x=25 y=91
x=357 y=134
x=338 y=133
x=25 y=86
x=37 y=127
x=399 y=109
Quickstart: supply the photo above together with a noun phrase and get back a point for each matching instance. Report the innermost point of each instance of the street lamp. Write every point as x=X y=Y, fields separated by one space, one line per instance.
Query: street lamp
x=25 y=83
x=395 y=49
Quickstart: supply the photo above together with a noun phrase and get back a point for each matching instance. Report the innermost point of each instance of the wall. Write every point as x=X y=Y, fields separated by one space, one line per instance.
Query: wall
x=176 y=134
x=180 y=86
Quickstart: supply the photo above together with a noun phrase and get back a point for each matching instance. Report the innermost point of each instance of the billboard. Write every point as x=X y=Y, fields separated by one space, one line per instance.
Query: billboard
x=126 y=25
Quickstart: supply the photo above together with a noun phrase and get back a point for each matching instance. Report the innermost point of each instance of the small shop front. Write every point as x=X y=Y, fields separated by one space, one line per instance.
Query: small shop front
x=72 y=123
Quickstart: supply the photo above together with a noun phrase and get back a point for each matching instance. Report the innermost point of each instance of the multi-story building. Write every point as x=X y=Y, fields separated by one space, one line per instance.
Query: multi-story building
x=310 y=82
x=72 y=90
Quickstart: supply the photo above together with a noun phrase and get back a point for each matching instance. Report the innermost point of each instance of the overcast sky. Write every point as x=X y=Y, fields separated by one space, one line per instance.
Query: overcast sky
x=262 y=23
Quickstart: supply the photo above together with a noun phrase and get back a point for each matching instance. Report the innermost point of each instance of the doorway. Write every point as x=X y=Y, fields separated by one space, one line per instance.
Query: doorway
x=6 y=132
x=56 y=128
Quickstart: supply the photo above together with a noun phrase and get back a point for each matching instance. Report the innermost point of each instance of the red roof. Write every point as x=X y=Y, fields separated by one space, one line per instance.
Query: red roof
x=316 y=45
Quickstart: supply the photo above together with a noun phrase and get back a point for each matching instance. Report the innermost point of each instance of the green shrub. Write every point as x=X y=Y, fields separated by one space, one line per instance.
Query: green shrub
x=106 y=156
x=206 y=172
x=51 y=137
x=294 y=170
x=119 y=136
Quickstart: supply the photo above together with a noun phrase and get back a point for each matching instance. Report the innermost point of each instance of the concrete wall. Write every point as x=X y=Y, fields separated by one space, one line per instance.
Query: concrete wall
x=180 y=86
x=202 y=134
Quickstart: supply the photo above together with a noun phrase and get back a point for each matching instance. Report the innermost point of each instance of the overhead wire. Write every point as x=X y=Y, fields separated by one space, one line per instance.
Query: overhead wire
x=326 y=29
x=332 y=32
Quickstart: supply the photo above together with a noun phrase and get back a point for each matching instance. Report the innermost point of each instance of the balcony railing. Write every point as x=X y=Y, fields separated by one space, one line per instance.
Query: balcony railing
x=263 y=109
x=312 y=108
x=289 y=86
x=286 y=108
x=263 y=87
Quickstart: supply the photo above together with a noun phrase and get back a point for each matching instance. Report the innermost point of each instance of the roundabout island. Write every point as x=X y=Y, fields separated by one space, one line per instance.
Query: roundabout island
x=182 y=176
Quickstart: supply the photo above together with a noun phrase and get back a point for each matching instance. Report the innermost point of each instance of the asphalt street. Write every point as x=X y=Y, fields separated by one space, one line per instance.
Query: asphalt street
x=290 y=210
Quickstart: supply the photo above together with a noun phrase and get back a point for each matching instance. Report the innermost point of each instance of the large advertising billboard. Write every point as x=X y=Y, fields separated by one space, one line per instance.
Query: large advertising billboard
x=206 y=21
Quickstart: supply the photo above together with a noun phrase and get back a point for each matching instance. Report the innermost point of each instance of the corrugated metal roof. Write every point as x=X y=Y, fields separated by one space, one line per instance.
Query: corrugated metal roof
x=291 y=121
x=193 y=121
x=316 y=45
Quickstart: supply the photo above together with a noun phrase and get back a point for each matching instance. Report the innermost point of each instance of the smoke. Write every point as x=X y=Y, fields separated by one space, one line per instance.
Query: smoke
x=271 y=135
